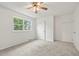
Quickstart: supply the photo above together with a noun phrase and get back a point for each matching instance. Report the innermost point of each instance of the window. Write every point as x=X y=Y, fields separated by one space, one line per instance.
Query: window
x=20 y=24
x=27 y=25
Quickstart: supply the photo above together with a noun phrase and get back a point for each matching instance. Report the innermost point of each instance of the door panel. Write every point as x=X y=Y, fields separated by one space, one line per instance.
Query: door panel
x=67 y=32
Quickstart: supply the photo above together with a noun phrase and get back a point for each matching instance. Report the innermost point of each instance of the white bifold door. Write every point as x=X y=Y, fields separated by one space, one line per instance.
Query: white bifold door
x=45 y=28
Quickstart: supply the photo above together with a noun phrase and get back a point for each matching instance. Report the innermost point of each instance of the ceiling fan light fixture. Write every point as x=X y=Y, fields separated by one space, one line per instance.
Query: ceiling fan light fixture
x=37 y=6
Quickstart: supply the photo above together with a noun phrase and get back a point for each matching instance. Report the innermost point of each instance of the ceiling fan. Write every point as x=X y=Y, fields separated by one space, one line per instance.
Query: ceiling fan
x=36 y=6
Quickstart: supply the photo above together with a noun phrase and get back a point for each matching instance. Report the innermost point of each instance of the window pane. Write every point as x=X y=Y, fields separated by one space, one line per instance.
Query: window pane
x=18 y=27
x=18 y=21
x=18 y=24
x=27 y=25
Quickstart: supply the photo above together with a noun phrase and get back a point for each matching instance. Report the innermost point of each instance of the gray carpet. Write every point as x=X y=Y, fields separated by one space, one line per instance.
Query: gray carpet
x=41 y=48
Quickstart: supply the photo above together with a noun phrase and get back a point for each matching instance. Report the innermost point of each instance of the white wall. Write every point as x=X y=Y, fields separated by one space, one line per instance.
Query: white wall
x=45 y=28
x=76 y=27
x=8 y=37
x=58 y=28
x=63 y=28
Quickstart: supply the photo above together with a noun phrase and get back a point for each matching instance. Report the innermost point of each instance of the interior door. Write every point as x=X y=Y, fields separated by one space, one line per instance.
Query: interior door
x=63 y=28
x=67 y=31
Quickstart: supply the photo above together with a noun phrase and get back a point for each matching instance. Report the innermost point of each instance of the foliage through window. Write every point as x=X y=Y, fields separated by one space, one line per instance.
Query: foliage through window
x=27 y=25
x=20 y=24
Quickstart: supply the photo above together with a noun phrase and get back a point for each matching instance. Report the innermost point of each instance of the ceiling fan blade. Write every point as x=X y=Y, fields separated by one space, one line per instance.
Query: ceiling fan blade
x=44 y=8
x=29 y=7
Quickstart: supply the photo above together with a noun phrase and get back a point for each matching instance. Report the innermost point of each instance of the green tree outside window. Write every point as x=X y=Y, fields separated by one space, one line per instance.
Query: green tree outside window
x=20 y=24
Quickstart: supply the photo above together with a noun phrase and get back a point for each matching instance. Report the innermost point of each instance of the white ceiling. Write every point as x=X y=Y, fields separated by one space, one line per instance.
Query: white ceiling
x=54 y=8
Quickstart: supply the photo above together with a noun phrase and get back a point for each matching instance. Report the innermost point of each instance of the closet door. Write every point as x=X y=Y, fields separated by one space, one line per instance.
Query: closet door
x=45 y=28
